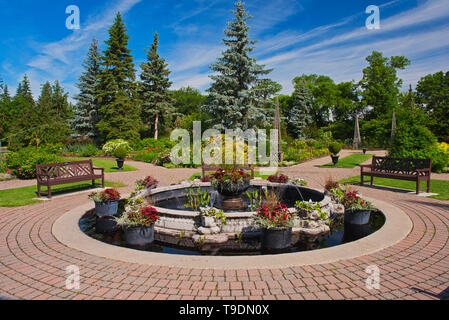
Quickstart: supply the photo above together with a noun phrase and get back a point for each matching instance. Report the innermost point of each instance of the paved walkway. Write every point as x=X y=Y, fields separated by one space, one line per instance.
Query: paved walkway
x=33 y=263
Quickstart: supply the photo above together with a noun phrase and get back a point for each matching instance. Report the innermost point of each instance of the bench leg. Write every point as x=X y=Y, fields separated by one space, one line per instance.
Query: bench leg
x=428 y=185
x=93 y=182
x=417 y=186
x=372 y=180
x=49 y=192
x=102 y=181
x=38 y=190
x=361 y=179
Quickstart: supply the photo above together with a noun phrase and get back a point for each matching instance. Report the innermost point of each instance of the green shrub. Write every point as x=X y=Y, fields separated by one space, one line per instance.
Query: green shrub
x=145 y=156
x=334 y=148
x=121 y=152
x=23 y=163
x=82 y=150
x=416 y=141
x=153 y=144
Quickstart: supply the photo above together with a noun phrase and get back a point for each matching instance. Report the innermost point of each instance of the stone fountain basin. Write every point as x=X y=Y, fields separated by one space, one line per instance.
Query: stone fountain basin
x=179 y=224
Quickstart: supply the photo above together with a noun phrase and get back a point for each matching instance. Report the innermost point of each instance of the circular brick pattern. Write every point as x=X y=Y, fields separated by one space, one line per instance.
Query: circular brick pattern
x=33 y=264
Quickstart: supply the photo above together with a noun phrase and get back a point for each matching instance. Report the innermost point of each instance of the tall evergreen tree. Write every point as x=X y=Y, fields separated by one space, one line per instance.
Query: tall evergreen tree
x=86 y=110
x=299 y=117
x=233 y=101
x=117 y=94
x=24 y=90
x=157 y=104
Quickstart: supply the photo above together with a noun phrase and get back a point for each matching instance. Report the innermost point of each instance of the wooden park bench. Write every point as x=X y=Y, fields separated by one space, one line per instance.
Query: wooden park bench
x=398 y=168
x=61 y=173
x=206 y=168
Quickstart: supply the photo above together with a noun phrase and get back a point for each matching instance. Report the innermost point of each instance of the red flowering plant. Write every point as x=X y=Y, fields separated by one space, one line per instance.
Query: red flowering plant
x=107 y=195
x=277 y=218
x=148 y=182
x=231 y=176
x=140 y=217
x=353 y=202
x=278 y=178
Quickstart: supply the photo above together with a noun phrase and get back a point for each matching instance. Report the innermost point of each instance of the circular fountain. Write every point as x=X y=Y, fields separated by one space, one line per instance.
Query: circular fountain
x=181 y=229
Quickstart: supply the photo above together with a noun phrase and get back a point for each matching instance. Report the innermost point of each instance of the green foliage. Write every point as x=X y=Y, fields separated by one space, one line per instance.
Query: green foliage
x=213 y=212
x=375 y=133
x=380 y=84
x=120 y=152
x=111 y=146
x=197 y=199
x=334 y=148
x=433 y=96
x=233 y=102
x=187 y=100
x=81 y=150
x=157 y=103
x=117 y=89
x=299 y=117
x=255 y=200
x=86 y=114
x=159 y=144
x=23 y=163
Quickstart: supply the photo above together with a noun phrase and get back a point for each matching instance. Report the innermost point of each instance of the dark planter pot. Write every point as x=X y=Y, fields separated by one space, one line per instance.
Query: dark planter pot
x=335 y=160
x=106 y=225
x=139 y=236
x=106 y=209
x=276 y=239
x=358 y=217
x=120 y=163
x=229 y=190
x=355 y=232
x=364 y=150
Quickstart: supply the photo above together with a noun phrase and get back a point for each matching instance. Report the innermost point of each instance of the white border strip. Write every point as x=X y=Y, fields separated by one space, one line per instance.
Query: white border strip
x=397 y=226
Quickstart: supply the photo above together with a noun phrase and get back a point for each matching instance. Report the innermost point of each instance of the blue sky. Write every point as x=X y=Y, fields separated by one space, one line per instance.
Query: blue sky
x=295 y=36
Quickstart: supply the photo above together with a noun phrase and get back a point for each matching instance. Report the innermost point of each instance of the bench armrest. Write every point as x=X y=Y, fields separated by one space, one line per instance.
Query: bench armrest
x=423 y=170
x=365 y=166
x=95 y=168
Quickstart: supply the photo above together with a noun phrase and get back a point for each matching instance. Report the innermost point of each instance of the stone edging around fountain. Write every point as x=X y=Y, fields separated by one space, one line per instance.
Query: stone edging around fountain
x=397 y=226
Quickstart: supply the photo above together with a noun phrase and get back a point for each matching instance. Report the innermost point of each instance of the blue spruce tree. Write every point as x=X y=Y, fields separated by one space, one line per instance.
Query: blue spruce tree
x=299 y=117
x=233 y=101
x=86 y=109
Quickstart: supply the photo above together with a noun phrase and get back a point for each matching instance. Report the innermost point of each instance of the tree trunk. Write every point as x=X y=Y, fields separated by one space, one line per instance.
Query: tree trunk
x=155 y=126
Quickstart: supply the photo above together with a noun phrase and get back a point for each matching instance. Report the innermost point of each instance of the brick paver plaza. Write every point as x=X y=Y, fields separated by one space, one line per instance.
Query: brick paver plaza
x=33 y=262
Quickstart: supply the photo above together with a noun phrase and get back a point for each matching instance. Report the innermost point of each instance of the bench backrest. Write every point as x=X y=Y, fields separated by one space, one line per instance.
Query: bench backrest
x=64 y=170
x=400 y=165
x=215 y=168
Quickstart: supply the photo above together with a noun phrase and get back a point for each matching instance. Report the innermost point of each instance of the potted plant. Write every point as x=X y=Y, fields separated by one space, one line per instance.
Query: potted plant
x=119 y=149
x=276 y=222
x=138 y=225
x=106 y=202
x=334 y=149
x=147 y=183
x=230 y=182
x=211 y=217
x=120 y=154
x=278 y=178
x=357 y=210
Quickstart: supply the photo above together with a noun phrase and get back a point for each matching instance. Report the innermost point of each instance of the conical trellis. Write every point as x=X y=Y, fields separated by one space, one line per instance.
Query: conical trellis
x=277 y=126
x=357 y=139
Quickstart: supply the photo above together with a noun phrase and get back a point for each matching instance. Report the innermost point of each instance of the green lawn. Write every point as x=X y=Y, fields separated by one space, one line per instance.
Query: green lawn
x=436 y=186
x=108 y=165
x=24 y=196
x=350 y=161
